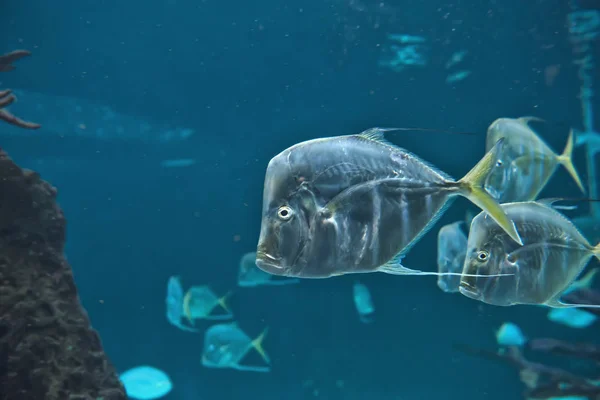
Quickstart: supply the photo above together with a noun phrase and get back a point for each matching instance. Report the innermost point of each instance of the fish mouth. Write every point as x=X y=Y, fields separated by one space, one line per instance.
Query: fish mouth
x=267 y=262
x=468 y=290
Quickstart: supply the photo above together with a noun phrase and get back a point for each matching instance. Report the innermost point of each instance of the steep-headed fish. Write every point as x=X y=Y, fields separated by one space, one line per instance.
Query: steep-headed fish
x=200 y=302
x=552 y=256
x=526 y=163
x=225 y=345
x=356 y=204
x=452 y=248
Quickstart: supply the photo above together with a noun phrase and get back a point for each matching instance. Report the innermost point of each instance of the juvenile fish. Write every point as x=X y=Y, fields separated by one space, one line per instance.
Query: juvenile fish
x=357 y=204
x=552 y=256
x=249 y=275
x=225 y=345
x=200 y=301
x=452 y=248
x=526 y=163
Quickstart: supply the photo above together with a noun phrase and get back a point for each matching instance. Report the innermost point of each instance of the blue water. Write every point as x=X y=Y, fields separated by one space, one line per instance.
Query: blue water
x=252 y=78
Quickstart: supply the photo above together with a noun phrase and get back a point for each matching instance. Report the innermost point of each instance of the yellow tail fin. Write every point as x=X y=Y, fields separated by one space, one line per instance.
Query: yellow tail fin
x=257 y=343
x=596 y=251
x=471 y=186
x=567 y=162
x=223 y=301
x=186 y=307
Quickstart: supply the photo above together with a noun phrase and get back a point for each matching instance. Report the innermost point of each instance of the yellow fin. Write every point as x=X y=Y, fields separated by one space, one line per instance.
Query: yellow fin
x=527 y=120
x=471 y=186
x=186 y=306
x=567 y=162
x=223 y=301
x=257 y=343
x=596 y=251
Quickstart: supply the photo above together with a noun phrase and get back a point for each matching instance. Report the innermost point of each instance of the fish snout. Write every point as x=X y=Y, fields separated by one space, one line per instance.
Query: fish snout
x=268 y=262
x=466 y=289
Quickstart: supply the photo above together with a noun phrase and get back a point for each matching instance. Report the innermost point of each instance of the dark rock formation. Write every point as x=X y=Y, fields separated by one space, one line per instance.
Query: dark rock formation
x=48 y=350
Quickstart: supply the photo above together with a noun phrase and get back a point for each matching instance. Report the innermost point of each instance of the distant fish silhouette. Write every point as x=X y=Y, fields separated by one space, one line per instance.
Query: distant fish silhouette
x=63 y=116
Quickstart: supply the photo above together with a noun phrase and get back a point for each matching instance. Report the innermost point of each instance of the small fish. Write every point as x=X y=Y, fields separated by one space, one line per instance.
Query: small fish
x=456 y=58
x=225 y=345
x=510 y=334
x=572 y=317
x=249 y=275
x=552 y=256
x=526 y=163
x=357 y=204
x=458 y=76
x=200 y=301
x=452 y=249
x=174 y=303
x=146 y=383
x=363 y=302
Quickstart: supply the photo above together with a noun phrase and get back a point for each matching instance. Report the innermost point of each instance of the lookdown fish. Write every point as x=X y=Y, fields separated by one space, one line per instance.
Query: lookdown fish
x=363 y=302
x=526 y=163
x=451 y=252
x=357 y=204
x=552 y=256
x=249 y=275
x=225 y=345
x=174 y=303
x=200 y=301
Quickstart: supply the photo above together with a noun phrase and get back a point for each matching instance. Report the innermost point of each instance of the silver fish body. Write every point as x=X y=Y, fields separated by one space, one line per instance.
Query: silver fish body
x=552 y=256
x=452 y=249
x=526 y=163
x=354 y=204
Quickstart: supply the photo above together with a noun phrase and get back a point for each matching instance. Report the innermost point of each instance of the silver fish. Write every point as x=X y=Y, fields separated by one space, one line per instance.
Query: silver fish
x=174 y=303
x=526 y=163
x=452 y=249
x=357 y=204
x=225 y=345
x=249 y=275
x=553 y=254
x=200 y=301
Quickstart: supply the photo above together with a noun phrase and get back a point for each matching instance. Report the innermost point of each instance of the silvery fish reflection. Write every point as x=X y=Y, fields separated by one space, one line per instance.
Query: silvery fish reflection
x=451 y=252
x=200 y=302
x=363 y=302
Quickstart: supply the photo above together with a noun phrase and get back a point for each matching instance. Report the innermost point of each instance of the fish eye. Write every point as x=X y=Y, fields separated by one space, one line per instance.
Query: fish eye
x=483 y=256
x=284 y=213
x=499 y=163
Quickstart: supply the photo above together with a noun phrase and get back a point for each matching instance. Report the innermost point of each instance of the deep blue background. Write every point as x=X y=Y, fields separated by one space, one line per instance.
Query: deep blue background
x=253 y=77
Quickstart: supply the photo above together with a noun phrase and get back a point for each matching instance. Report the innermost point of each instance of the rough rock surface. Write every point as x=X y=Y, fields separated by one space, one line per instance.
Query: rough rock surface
x=48 y=349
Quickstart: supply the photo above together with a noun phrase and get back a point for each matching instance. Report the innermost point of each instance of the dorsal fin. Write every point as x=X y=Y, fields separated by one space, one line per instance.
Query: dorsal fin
x=527 y=119
x=376 y=134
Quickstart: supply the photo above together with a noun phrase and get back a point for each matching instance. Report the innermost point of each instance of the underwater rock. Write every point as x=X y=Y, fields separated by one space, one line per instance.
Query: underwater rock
x=48 y=349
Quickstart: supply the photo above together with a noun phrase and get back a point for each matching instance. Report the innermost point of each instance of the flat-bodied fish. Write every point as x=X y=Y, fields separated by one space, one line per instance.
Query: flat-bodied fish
x=357 y=204
x=526 y=163
x=226 y=345
x=509 y=334
x=174 y=303
x=249 y=275
x=452 y=249
x=146 y=383
x=200 y=302
x=552 y=256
